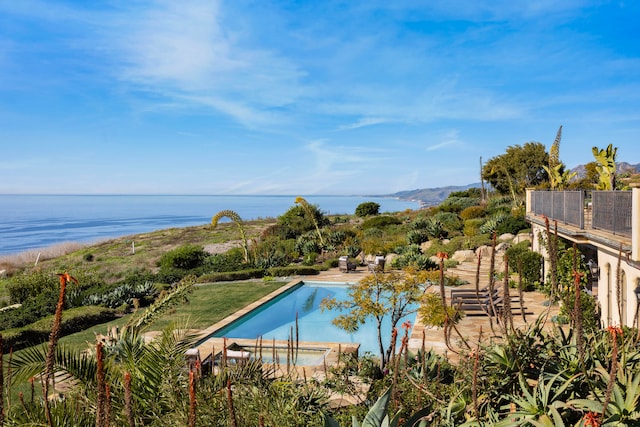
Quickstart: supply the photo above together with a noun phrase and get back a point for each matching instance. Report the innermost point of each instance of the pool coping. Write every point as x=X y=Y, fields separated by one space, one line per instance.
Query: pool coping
x=208 y=347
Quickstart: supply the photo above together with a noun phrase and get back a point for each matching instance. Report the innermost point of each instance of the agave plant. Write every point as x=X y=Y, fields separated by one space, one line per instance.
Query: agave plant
x=623 y=408
x=376 y=417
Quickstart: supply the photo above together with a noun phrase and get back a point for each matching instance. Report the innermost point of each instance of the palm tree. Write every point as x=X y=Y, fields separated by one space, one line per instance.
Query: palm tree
x=154 y=370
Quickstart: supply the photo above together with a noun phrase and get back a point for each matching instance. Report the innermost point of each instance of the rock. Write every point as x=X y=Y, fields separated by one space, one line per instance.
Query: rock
x=502 y=247
x=463 y=255
x=483 y=251
x=424 y=246
x=388 y=259
x=506 y=237
x=522 y=237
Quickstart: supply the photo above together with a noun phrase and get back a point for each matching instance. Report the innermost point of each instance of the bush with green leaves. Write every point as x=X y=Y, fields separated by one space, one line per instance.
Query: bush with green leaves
x=30 y=284
x=512 y=224
x=31 y=310
x=298 y=220
x=185 y=257
x=367 y=209
x=381 y=221
x=471 y=227
x=450 y=221
x=231 y=260
x=527 y=263
x=473 y=212
x=457 y=204
x=271 y=251
x=474 y=193
x=230 y=276
x=588 y=307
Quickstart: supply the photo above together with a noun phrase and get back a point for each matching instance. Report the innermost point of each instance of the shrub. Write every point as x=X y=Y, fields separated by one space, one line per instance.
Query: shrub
x=31 y=310
x=293 y=270
x=367 y=209
x=412 y=256
x=472 y=212
x=231 y=276
x=474 y=192
x=521 y=257
x=231 y=260
x=588 y=307
x=471 y=227
x=457 y=204
x=29 y=284
x=380 y=222
x=512 y=224
x=435 y=228
x=74 y=320
x=450 y=221
x=185 y=257
x=491 y=225
x=297 y=221
x=432 y=313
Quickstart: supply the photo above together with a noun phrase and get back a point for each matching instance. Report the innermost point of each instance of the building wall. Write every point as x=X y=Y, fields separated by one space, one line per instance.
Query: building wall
x=617 y=302
x=607 y=290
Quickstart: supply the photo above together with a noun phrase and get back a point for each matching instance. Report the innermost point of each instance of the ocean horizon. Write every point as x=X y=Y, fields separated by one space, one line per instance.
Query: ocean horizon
x=34 y=221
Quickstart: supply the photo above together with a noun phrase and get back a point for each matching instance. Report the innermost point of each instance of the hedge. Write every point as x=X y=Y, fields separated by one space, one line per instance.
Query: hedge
x=230 y=276
x=73 y=320
x=293 y=270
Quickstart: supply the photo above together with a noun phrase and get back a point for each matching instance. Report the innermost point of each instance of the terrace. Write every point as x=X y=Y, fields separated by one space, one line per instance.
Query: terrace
x=606 y=227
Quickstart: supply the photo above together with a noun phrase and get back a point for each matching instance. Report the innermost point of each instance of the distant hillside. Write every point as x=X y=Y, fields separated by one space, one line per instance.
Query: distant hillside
x=432 y=196
x=622 y=167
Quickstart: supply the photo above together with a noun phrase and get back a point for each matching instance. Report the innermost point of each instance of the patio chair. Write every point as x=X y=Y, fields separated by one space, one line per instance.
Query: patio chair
x=345 y=265
x=377 y=264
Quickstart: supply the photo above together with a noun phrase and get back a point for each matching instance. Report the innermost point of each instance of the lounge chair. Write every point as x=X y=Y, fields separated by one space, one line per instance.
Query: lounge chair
x=377 y=264
x=345 y=265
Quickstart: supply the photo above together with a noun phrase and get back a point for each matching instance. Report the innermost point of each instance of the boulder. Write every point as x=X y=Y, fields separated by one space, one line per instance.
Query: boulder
x=424 y=246
x=506 y=237
x=502 y=247
x=522 y=237
x=483 y=251
x=463 y=255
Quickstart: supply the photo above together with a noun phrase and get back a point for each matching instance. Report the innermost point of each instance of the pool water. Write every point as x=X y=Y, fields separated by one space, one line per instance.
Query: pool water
x=277 y=319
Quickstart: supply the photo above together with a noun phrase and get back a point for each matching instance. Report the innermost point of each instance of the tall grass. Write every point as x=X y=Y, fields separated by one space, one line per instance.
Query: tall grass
x=11 y=263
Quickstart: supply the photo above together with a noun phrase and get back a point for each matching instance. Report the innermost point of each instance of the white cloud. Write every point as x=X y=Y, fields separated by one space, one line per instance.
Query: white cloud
x=445 y=139
x=363 y=122
x=186 y=52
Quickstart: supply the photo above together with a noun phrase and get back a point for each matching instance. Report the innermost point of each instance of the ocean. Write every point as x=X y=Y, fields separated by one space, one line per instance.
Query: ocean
x=36 y=221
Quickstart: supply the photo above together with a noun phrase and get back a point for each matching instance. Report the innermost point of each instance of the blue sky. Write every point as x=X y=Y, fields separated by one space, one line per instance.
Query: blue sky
x=301 y=98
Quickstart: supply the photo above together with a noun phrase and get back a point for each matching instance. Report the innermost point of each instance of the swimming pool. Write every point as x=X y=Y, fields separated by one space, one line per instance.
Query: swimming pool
x=277 y=318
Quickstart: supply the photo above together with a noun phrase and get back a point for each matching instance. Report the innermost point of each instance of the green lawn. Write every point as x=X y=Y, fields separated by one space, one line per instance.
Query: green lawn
x=212 y=302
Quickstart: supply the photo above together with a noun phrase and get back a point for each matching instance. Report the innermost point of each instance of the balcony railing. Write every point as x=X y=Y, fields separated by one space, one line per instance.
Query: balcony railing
x=608 y=210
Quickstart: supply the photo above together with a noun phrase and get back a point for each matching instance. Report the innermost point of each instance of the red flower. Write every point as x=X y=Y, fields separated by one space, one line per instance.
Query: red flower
x=592 y=419
x=614 y=331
